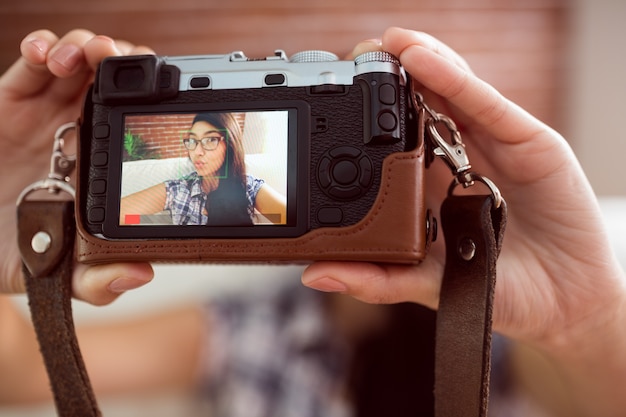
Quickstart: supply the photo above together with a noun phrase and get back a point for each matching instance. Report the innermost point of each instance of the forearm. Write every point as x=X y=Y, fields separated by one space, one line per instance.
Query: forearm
x=148 y=354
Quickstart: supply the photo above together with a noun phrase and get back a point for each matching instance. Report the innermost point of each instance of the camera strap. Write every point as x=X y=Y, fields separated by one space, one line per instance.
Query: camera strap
x=46 y=234
x=473 y=227
x=473 y=231
x=46 y=241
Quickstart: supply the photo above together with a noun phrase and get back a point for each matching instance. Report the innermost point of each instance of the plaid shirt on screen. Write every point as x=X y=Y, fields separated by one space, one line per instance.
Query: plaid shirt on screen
x=186 y=201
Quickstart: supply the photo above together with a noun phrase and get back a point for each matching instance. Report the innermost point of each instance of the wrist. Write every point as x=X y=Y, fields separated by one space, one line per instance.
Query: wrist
x=589 y=357
x=600 y=329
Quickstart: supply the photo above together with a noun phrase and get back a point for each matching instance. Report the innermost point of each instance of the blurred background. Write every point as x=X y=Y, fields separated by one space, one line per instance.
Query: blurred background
x=563 y=60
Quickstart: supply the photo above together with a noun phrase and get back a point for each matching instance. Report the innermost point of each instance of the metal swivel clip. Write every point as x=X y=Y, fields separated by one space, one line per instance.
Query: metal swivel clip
x=61 y=166
x=452 y=151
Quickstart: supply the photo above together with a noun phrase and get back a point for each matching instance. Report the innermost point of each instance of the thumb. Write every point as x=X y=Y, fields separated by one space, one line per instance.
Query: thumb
x=102 y=284
x=378 y=283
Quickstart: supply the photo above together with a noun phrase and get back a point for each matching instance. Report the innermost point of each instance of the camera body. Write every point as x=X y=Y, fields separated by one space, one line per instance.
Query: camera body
x=337 y=144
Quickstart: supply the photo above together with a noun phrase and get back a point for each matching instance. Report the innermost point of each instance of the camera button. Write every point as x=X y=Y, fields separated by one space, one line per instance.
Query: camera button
x=323 y=172
x=200 y=82
x=96 y=215
x=100 y=159
x=387 y=94
x=345 y=193
x=367 y=171
x=350 y=151
x=275 y=79
x=387 y=121
x=345 y=172
x=98 y=187
x=101 y=131
x=330 y=215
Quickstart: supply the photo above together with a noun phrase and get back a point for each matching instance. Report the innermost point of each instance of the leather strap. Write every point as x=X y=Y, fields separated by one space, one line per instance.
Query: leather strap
x=473 y=232
x=47 y=266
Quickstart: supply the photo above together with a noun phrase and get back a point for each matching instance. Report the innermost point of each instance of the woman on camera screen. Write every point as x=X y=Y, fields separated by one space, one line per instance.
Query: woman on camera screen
x=218 y=192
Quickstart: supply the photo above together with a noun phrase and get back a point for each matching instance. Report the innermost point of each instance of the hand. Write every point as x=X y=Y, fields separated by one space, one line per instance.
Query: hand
x=41 y=91
x=557 y=277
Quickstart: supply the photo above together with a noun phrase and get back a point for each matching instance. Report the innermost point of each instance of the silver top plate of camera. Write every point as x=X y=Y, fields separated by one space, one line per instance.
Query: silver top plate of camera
x=303 y=69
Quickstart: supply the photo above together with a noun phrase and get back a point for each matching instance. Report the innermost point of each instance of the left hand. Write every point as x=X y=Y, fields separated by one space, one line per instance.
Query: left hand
x=41 y=91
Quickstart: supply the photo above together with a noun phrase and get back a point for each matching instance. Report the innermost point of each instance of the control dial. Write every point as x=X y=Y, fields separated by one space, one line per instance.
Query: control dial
x=376 y=56
x=313 y=56
x=345 y=173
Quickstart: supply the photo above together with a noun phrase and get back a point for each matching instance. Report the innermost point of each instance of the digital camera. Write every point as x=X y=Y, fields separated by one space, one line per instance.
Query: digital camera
x=232 y=159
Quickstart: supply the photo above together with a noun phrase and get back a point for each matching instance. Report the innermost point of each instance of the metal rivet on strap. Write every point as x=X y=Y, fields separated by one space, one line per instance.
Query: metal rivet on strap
x=41 y=242
x=467 y=249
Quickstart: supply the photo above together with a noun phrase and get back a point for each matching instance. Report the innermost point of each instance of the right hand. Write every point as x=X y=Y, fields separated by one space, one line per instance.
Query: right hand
x=558 y=279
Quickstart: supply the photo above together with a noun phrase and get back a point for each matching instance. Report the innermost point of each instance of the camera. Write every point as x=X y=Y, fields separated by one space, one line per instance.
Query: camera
x=228 y=158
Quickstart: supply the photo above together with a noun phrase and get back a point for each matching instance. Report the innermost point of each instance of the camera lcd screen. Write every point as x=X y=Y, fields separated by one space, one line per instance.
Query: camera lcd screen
x=215 y=168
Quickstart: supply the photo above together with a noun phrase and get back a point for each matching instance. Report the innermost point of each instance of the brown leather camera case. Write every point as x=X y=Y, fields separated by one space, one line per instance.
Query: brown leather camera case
x=394 y=230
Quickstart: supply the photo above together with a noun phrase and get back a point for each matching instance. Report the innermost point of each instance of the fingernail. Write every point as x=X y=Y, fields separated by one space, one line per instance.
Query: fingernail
x=68 y=56
x=121 y=285
x=375 y=41
x=327 y=284
x=105 y=38
x=39 y=44
x=369 y=45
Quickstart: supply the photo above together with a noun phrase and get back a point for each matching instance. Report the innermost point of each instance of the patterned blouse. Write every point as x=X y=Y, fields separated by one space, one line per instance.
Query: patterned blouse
x=186 y=201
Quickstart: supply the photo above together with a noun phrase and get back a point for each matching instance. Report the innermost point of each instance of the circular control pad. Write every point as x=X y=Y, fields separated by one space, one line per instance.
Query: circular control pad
x=345 y=173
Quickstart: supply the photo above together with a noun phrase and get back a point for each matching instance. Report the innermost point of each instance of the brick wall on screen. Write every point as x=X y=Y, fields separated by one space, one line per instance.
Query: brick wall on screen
x=162 y=134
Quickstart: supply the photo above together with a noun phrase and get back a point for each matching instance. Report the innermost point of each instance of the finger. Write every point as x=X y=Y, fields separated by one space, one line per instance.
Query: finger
x=65 y=57
x=404 y=38
x=29 y=74
x=95 y=49
x=36 y=45
x=370 y=45
x=45 y=57
x=378 y=283
x=124 y=46
x=141 y=50
x=439 y=69
x=100 y=47
x=101 y=284
x=128 y=48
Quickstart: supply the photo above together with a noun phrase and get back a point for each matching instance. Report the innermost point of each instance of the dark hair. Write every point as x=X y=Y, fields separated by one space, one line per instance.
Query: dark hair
x=234 y=165
x=228 y=205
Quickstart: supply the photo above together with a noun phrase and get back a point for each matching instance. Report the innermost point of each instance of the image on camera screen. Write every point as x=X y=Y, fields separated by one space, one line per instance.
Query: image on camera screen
x=209 y=168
